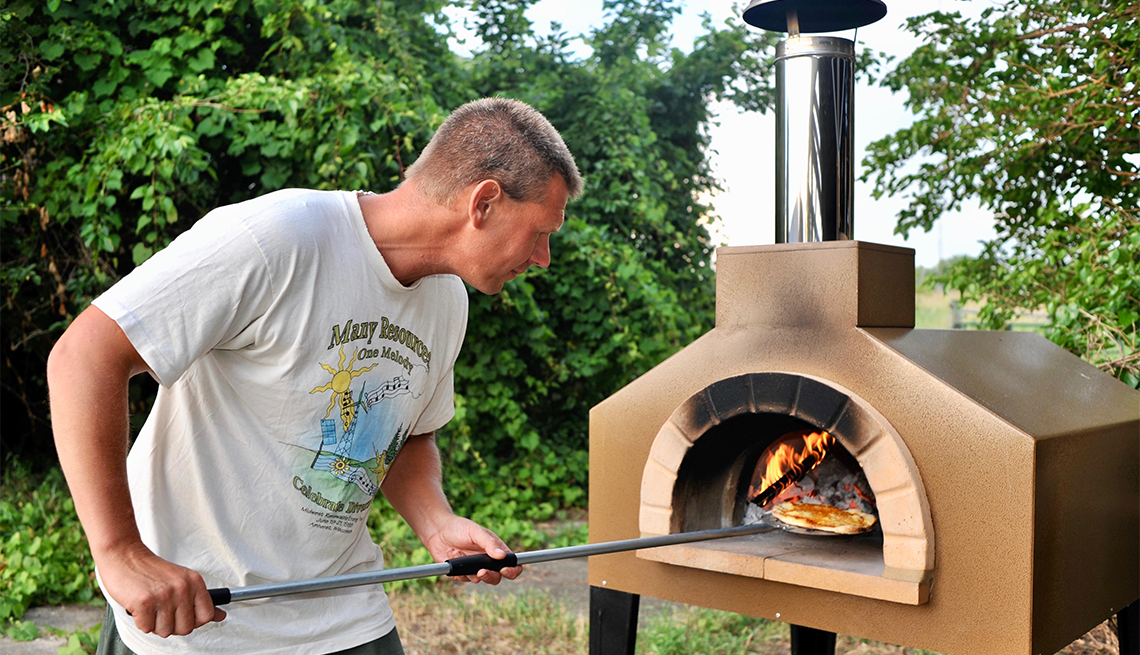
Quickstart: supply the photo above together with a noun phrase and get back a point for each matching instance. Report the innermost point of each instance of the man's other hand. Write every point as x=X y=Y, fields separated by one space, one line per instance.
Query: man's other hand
x=164 y=598
x=458 y=537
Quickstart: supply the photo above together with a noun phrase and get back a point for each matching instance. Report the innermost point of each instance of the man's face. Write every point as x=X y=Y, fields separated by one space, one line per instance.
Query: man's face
x=517 y=236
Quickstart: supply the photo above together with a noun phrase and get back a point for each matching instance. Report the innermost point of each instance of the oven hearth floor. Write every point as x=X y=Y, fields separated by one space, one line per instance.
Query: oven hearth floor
x=849 y=565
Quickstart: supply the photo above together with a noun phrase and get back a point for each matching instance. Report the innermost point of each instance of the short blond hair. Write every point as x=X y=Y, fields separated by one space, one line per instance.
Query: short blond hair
x=499 y=139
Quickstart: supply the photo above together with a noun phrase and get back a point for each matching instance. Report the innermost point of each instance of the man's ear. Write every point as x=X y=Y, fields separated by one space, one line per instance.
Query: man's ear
x=483 y=195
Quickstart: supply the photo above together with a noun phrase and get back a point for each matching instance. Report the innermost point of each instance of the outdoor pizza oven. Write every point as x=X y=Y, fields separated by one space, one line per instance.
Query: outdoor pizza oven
x=1004 y=469
x=1004 y=472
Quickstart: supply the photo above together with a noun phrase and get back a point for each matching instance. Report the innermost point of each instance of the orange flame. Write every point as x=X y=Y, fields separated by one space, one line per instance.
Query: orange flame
x=788 y=457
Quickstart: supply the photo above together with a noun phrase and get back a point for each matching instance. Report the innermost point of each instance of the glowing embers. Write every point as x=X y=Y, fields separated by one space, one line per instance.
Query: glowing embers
x=811 y=467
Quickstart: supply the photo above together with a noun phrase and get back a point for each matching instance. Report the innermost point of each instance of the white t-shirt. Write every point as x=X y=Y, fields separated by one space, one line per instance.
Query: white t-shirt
x=293 y=367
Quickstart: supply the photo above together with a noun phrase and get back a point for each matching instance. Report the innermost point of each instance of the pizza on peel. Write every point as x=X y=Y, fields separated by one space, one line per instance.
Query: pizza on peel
x=824 y=517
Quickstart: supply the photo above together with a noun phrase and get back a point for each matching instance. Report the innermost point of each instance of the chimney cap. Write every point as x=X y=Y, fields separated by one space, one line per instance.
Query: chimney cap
x=814 y=15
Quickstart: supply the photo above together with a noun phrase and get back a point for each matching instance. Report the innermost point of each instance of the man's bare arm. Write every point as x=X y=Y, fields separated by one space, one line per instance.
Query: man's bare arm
x=414 y=488
x=88 y=371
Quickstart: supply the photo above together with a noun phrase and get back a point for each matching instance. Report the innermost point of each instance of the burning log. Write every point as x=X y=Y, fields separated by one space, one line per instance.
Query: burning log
x=791 y=477
x=816 y=446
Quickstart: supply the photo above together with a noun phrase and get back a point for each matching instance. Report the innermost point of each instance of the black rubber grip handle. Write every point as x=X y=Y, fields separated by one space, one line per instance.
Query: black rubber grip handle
x=220 y=596
x=471 y=564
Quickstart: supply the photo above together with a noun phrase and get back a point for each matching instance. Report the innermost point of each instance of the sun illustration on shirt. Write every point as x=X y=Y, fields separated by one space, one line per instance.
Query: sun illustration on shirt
x=342 y=379
x=340 y=465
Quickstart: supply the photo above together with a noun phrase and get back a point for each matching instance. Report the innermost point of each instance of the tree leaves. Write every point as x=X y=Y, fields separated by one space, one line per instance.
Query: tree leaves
x=128 y=122
x=1032 y=110
x=195 y=104
x=630 y=282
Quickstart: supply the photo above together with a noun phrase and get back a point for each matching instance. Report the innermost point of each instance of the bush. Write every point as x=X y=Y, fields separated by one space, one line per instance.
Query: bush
x=44 y=558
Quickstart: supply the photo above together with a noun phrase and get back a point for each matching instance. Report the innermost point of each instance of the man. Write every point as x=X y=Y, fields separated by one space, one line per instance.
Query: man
x=301 y=340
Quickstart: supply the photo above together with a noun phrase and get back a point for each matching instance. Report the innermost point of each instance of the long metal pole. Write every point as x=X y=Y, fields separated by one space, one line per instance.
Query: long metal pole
x=473 y=563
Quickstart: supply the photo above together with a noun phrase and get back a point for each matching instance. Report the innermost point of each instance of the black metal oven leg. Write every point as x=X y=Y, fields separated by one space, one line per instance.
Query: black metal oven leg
x=809 y=641
x=613 y=621
x=1128 y=629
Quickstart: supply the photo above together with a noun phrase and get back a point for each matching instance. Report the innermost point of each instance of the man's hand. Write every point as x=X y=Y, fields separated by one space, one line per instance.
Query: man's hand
x=458 y=537
x=164 y=598
x=413 y=487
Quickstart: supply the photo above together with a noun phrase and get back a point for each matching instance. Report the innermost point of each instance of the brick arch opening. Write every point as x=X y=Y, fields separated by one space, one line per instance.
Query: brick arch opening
x=904 y=513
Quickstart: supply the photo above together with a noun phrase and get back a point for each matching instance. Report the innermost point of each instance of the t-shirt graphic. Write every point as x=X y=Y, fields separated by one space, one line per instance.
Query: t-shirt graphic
x=364 y=423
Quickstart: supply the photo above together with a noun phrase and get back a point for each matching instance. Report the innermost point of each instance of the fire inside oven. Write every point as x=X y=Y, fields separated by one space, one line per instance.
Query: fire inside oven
x=746 y=445
x=743 y=468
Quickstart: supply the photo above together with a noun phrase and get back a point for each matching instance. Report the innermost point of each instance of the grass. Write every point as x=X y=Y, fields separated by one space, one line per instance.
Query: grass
x=699 y=630
x=932 y=309
x=438 y=619
x=441 y=619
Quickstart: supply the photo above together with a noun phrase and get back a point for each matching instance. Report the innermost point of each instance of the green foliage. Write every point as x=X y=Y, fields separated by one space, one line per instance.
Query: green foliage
x=927 y=278
x=123 y=122
x=1031 y=109
x=44 y=559
x=630 y=281
x=82 y=642
x=22 y=631
x=126 y=121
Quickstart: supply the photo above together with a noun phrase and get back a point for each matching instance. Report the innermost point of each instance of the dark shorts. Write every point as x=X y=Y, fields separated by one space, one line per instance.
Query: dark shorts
x=111 y=644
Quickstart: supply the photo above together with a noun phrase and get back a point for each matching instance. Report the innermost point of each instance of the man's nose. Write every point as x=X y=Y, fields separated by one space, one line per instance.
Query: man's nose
x=540 y=257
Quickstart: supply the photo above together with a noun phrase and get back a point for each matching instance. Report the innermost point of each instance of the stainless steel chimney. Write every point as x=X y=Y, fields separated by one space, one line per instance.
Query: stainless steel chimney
x=815 y=125
x=815 y=114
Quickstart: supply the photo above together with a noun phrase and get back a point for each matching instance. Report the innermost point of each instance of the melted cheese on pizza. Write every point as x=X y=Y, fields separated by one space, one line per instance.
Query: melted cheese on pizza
x=824 y=517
